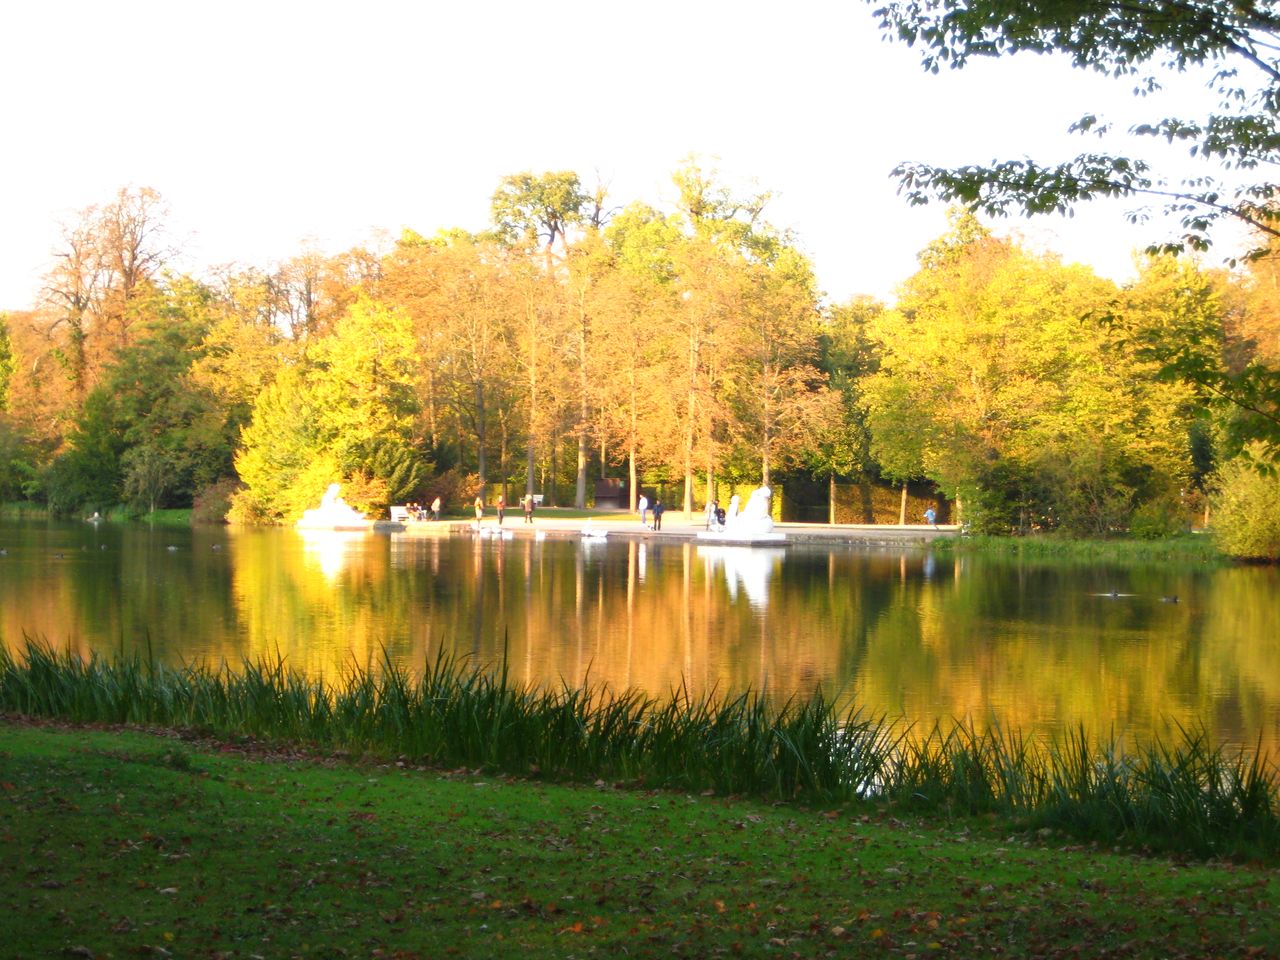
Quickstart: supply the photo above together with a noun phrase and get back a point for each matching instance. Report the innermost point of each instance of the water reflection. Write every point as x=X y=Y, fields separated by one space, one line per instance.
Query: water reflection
x=1040 y=647
x=748 y=567
x=330 y=548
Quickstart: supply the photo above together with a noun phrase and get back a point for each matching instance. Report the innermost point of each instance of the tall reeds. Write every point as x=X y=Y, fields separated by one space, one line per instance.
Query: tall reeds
x=1184 y=795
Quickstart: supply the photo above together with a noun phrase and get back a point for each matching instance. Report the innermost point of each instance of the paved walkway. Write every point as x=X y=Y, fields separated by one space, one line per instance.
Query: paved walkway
x=675 y=528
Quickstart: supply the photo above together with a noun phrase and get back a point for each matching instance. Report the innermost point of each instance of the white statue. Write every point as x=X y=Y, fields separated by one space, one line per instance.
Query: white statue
x=331 y=500
x=753 y=519
x=751 y=523
x=334 y=513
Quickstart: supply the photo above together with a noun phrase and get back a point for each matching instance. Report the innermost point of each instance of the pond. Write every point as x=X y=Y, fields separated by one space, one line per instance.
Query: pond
x=907 y=633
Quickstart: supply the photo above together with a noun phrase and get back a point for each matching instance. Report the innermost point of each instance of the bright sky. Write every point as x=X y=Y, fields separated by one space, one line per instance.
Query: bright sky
x=269 y=125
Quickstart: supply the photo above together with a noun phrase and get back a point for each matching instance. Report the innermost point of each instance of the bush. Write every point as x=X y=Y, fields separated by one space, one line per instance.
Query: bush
x=212 y=504
x=455 y=487
x=1246 y=509
x=1157 y=519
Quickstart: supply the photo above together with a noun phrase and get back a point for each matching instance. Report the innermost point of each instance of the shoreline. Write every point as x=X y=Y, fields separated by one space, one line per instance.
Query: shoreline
x=627 y=526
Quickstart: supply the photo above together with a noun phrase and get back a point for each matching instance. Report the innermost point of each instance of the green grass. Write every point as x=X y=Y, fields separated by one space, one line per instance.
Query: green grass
x=23 y=510
x=177 y=516
x=1184 y=796
x=120 y=844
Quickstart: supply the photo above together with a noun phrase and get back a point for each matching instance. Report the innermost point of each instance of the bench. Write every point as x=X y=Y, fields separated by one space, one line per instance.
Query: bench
x=399 y=514
x=537 y=499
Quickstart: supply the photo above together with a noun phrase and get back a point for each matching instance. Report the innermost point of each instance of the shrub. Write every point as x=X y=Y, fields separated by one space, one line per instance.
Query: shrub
x=212 y=504
x=1246 y=509
x=455 y=487
x=1158 y=518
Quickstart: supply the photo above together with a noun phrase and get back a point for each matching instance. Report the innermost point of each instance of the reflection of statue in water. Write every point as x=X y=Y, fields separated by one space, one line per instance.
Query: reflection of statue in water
x=747 y=567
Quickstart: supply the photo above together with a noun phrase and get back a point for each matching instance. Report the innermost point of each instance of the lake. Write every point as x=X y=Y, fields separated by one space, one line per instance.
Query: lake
x=907 y=633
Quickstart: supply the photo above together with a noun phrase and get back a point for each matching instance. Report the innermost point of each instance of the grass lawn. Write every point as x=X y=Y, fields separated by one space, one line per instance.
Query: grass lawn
x=129 y=844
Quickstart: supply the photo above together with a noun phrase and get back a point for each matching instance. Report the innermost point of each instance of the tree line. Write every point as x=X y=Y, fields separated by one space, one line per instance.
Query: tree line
x=681 y=347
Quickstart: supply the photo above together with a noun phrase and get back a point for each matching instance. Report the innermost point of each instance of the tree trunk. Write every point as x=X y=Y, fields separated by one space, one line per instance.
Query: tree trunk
x=831 y=499
x=431 y=409
x=502 y=455
x=688 y=455
x=584 y=410
x=633 y=440
x=580 y=485
x=481 y=467
x=902 y=508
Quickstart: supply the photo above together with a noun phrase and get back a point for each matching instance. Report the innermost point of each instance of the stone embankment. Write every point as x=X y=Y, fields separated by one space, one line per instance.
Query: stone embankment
x=674 y=529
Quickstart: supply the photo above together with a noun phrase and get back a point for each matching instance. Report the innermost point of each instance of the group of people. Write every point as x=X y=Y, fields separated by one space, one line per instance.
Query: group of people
x=715 y=515
x=418 y=512
x=526 y=504
x=646 y=508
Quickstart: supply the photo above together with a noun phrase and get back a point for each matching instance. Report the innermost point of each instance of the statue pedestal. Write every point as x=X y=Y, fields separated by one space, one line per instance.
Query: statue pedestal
x=744 y=538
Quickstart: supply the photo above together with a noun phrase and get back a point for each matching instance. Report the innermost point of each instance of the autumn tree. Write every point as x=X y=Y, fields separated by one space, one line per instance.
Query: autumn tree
x=468 y=296
x=634 y=306
x=106 y=263
x=528 y=209
x=841 y=447
x=779 y=397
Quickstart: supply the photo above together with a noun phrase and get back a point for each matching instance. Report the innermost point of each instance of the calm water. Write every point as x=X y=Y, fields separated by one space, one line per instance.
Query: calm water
x=906 y=633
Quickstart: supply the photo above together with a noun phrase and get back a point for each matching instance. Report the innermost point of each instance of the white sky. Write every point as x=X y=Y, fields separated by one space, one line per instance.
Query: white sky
x=269 y=125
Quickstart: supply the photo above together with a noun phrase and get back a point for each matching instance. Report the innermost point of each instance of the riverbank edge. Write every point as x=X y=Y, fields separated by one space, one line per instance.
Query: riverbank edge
x=1183 y=795
x=565 y=523
x=330 y=854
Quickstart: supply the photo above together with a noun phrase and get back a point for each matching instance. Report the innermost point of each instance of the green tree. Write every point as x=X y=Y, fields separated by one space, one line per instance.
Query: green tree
x=347 y=415
x=1246 y=523
x=1014 y=383
x=280 y=451
x=146 y=398
x=1141 y=42
x=528 y=207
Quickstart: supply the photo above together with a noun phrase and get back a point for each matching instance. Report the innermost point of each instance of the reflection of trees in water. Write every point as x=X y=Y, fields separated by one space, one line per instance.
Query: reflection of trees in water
x=901 y=638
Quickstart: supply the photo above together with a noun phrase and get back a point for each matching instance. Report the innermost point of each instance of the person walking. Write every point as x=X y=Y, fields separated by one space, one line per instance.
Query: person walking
x=931 y=517
x=479 y=510
x=527 y=503
x=712 y=507
x=502 y=508
x=435 y=509
x=658 y=510
x=643 y=506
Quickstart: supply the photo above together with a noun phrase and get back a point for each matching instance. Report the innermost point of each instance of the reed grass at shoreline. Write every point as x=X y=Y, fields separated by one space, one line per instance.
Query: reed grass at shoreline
x=1186 y=796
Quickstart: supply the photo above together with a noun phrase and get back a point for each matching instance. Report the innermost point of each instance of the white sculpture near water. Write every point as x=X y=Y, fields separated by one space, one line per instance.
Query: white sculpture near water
x=334 y=513
x=747 y=524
